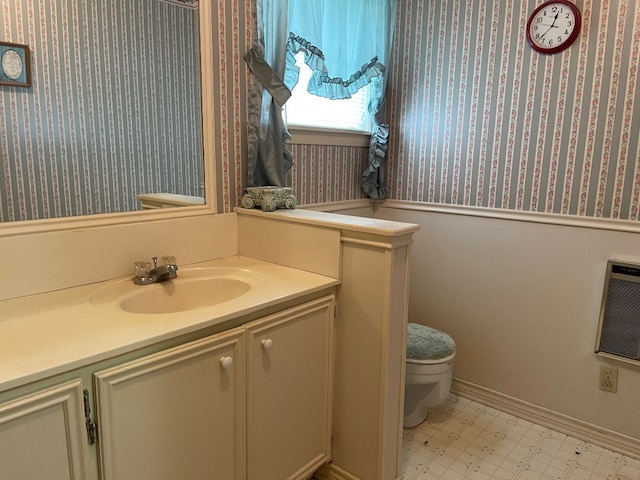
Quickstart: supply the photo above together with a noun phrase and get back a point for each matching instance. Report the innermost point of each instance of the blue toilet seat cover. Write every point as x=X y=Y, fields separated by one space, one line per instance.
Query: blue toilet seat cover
x=426 y=343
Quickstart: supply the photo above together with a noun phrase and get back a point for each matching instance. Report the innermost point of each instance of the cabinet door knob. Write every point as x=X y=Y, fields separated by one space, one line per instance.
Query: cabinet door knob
x=267 y=343
x=226 y=362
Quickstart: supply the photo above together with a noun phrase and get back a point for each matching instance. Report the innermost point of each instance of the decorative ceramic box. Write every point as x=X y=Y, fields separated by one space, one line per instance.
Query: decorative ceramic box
x=269 y=198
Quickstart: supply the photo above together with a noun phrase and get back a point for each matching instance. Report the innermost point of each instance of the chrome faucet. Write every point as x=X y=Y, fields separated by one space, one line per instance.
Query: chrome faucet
x=145 y=275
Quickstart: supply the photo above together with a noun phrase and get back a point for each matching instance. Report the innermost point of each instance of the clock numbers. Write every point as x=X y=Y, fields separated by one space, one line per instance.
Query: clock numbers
x=553 y=26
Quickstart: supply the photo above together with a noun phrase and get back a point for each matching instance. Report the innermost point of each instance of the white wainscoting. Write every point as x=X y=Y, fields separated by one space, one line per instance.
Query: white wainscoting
x=520 y=293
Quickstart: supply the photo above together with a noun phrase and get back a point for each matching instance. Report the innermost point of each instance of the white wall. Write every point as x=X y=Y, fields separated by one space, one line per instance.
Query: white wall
x=522 y=301
x=42 y=261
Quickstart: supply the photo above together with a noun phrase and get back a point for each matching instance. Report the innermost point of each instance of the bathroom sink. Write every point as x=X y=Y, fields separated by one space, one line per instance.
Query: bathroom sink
x=194 y=288
x=171 y=296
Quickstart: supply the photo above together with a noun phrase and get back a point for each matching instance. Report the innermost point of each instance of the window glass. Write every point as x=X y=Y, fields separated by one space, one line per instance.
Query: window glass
x=307 y=110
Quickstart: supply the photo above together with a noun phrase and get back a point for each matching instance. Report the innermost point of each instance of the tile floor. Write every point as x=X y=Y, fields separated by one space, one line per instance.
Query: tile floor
x=462 y=439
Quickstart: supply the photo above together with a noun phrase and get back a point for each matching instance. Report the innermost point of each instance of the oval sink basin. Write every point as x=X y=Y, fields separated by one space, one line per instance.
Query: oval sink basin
x=194 y=288
x=168 y=297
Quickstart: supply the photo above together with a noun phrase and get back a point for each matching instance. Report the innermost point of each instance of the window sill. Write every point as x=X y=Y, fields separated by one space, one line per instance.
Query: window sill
x=327 y=136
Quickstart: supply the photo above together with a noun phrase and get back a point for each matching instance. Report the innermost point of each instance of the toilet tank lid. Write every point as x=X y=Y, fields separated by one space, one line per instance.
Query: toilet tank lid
x=426 y=343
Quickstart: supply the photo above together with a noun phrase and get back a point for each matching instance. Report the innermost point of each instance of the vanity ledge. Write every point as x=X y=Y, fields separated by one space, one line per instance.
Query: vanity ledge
x=346 y=223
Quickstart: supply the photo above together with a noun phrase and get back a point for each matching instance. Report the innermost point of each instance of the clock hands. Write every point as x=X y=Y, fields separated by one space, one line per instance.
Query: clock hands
x=553 y=24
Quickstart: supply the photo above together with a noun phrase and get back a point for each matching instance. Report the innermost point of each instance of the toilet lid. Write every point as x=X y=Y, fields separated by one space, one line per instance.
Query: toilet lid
x=426 y=343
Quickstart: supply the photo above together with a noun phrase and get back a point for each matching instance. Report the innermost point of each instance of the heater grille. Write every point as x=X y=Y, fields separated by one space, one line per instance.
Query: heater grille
x=619 y=329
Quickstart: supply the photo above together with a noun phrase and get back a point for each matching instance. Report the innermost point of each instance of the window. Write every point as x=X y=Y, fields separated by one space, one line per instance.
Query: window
x=306 y=110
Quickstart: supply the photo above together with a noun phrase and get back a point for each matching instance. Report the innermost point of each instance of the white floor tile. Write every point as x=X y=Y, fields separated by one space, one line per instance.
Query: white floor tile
x=465 y=440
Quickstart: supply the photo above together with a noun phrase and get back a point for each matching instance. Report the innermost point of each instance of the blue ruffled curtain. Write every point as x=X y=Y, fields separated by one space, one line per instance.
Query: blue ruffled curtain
x=347 y=44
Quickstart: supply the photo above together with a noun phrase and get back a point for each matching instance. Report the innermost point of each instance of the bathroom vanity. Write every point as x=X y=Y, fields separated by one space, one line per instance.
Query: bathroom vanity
x=301 y=373
x=93 y=388
x=244 y=391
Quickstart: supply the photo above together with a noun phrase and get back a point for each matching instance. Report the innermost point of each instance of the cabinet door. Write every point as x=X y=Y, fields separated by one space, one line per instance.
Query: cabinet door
x=289 y=392
x=42 y=436
x=176 y=414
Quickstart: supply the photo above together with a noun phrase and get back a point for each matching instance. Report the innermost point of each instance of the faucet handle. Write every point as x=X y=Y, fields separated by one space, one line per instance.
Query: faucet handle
x=142 y=268
x=155 y=261
x=168 y=260
x=143 y=272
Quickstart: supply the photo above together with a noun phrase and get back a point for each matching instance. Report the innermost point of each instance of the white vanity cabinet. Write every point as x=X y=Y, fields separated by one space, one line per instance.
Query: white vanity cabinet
x=253 y=402
x=42 y=435
x=290 y=392
x=175 y=414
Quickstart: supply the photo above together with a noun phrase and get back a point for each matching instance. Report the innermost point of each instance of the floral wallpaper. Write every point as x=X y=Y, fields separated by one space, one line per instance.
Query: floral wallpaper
x=322 y=174
x=479 y=118
x=110 y=113
x=184 y=3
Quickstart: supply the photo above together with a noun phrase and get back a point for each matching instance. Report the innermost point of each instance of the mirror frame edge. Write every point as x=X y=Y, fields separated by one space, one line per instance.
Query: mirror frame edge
x=24 y=227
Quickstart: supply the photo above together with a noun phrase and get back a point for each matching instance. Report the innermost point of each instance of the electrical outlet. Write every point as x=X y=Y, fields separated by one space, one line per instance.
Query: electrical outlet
x=608 y=381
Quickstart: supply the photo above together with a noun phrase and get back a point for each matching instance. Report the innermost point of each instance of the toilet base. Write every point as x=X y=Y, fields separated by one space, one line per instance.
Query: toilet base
x=419 y=399
x=426 y=386
x=415 y=419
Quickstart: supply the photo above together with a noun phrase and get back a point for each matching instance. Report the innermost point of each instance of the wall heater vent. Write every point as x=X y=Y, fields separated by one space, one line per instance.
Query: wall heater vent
x=619 y=328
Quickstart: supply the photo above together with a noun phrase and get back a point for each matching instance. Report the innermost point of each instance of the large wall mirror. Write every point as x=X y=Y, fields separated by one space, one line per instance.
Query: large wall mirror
x=112 y=121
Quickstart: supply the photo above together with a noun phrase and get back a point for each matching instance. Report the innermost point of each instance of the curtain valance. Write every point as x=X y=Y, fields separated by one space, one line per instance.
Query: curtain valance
x=346 y=43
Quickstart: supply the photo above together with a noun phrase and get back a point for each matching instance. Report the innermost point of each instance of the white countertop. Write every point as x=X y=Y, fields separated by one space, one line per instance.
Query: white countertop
x=47 y=334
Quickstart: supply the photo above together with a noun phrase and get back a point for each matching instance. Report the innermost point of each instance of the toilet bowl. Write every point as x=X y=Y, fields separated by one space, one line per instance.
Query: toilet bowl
x=429 y=368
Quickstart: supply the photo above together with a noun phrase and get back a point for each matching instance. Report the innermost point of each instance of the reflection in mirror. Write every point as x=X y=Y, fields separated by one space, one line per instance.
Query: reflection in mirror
x=113 y=119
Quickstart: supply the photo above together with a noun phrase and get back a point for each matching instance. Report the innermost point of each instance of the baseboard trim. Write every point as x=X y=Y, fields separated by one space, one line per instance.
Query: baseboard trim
x=603 y=437
x=330 y=471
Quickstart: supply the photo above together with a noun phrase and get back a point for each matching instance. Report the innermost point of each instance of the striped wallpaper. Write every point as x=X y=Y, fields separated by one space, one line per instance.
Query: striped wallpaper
x=479 y=119
x=185 y=3
x=114 y=109
x=323 y=174
x=232 y=24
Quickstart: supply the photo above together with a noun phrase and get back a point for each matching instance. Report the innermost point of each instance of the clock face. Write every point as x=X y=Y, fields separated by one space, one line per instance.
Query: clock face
x=553 y=26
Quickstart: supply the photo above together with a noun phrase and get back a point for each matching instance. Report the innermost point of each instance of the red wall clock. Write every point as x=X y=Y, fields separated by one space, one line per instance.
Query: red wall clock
x=553 y=26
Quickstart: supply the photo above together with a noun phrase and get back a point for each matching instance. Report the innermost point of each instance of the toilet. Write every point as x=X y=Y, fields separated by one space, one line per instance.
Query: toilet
x=429 y=368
